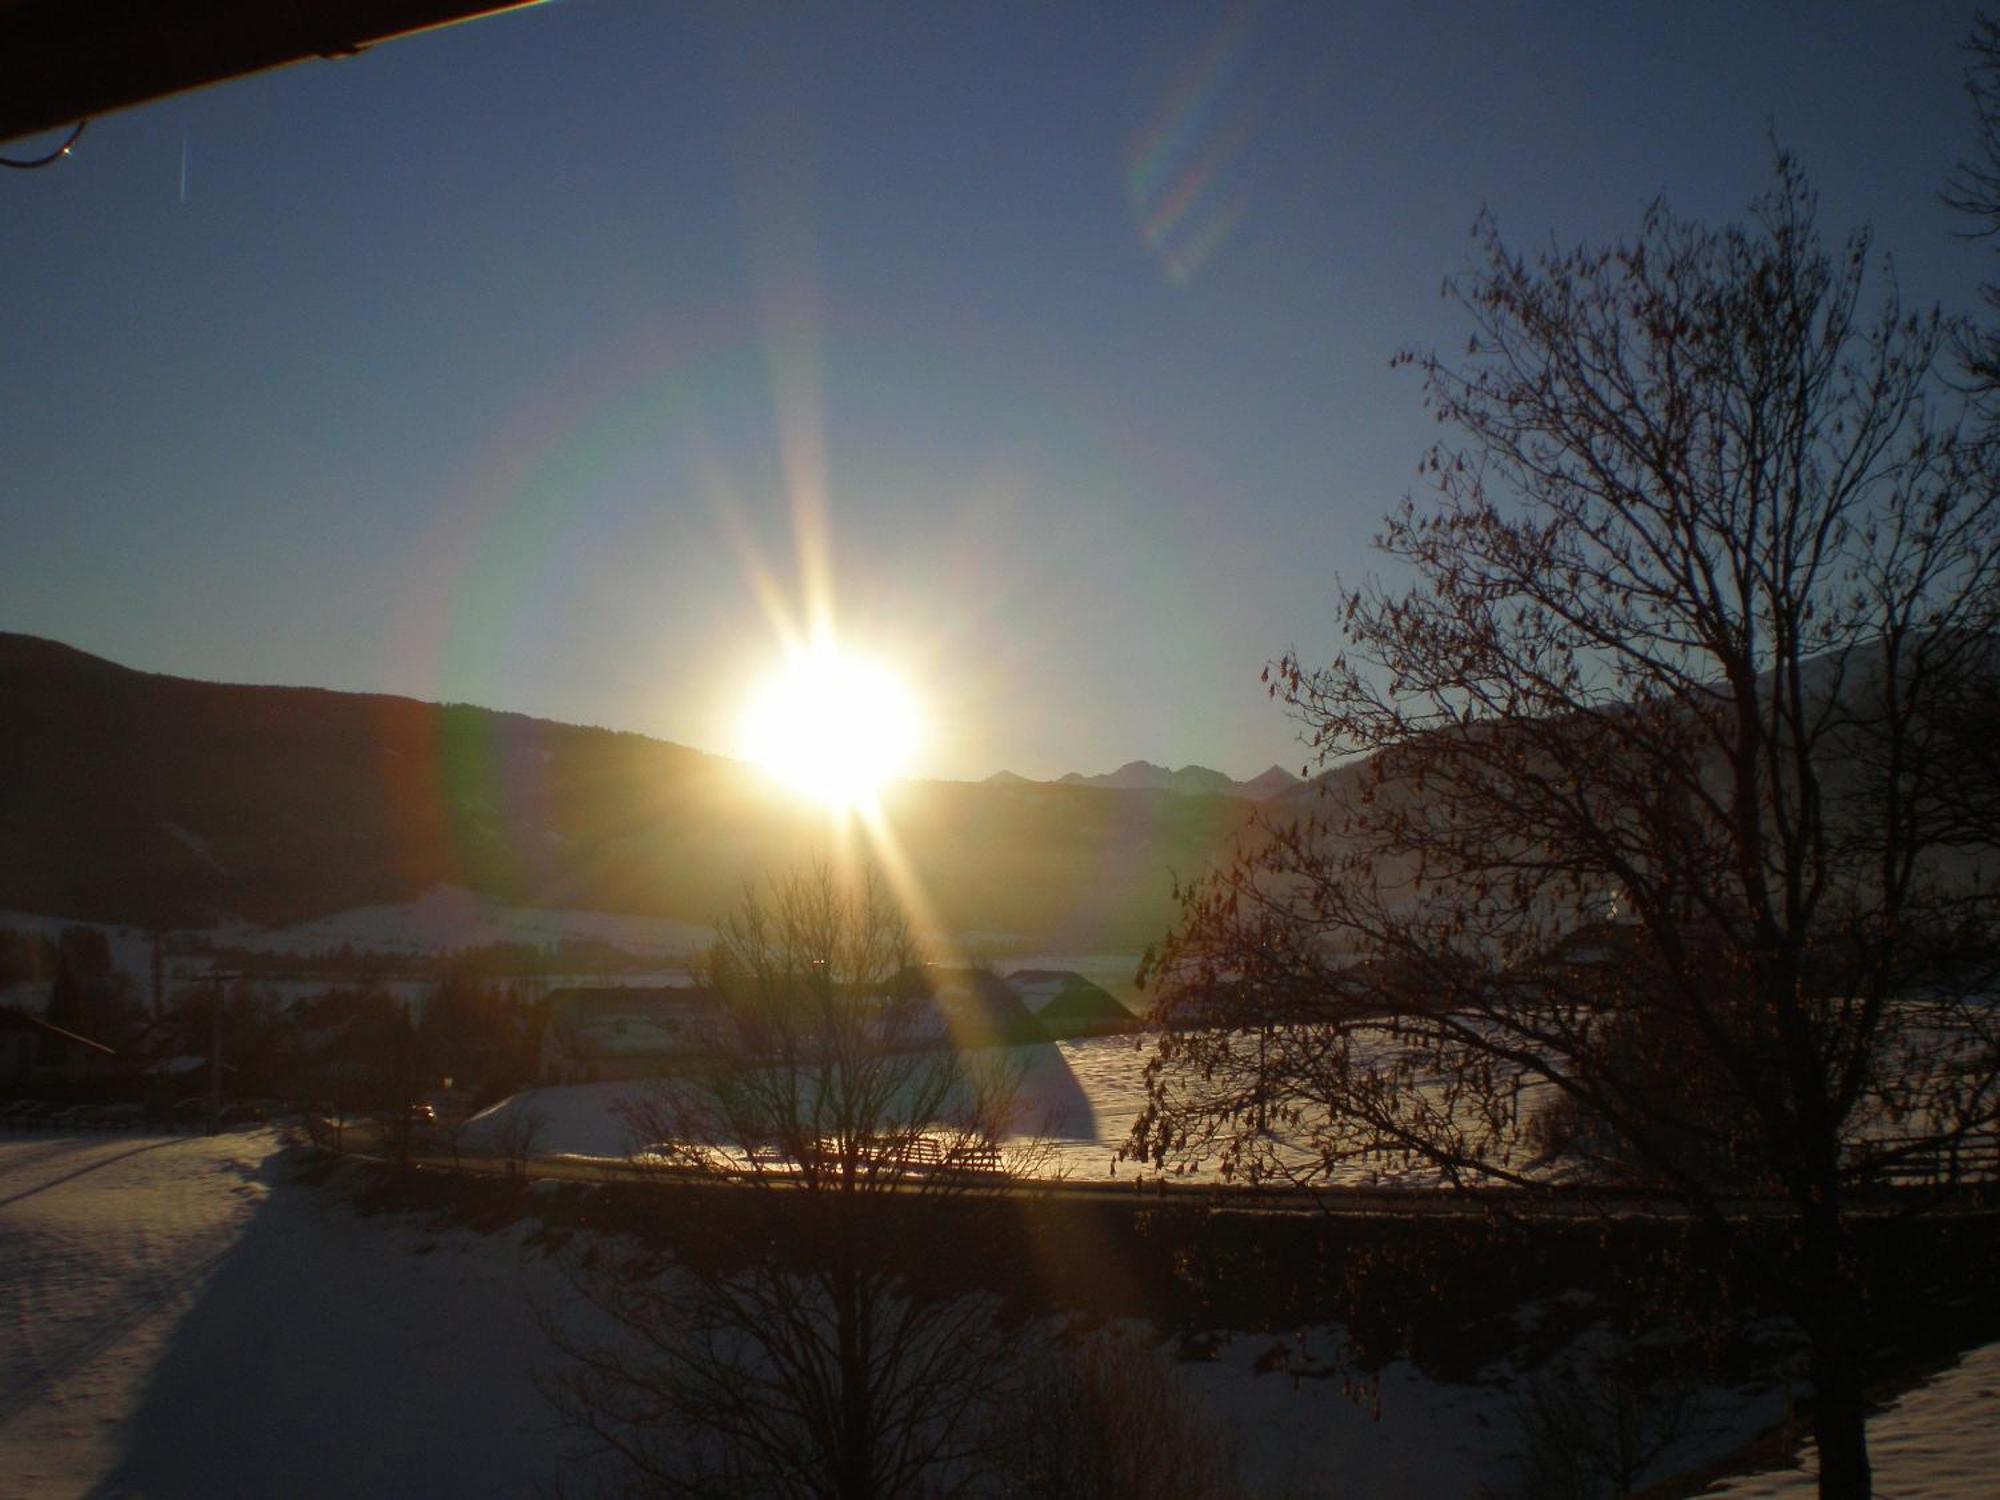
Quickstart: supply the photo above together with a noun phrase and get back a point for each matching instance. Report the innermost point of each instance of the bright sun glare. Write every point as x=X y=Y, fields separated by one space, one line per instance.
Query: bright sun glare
x=833 y=726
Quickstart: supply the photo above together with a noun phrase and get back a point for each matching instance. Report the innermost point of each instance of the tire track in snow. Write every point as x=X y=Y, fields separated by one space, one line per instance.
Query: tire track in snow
x=95 y=1166
x=19 y=1159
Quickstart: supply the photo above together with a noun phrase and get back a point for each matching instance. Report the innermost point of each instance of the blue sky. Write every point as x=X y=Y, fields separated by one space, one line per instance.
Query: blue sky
x=500 y=364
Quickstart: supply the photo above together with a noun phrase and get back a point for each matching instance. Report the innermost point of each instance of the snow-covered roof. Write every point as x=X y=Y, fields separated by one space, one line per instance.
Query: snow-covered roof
x=173 y=1066
x=973 y=1007
x=1063 y=995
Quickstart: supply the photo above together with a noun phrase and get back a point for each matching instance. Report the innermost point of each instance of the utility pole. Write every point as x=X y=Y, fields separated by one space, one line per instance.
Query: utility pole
x=159 y=974
x=215 y=1053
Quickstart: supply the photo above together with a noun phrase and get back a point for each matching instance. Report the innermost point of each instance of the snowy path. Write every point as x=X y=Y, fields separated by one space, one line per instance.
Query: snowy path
x=178 y=1319
x=91 y=1290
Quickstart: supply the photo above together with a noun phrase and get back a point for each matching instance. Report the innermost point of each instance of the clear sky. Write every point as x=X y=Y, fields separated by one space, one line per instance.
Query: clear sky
x=531 y=363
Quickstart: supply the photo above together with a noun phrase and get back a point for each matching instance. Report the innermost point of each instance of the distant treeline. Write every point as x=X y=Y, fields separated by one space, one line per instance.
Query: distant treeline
x=30 y=957
x=489 y=960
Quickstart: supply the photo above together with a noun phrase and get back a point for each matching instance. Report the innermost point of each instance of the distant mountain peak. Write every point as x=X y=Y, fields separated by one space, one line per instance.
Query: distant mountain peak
x=1274 y=781
x=1188 y=781
x=1145 y=776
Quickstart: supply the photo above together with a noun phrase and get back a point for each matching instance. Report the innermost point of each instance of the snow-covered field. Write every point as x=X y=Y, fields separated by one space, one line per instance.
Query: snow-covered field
x=181 y=1317
x=448 y=917
x=1083 y=1095
x=1079 y=1099
x=442 y=920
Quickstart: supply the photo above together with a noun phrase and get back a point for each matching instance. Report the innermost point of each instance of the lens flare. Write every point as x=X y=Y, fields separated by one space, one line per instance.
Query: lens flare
x=1177 y=169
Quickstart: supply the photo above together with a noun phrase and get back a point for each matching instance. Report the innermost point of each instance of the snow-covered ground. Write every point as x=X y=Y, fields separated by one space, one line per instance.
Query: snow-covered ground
x=1079 y=1098
x=1082 y=1096
x=177 y=1317
x=1940 y=1441
x=180 y=1316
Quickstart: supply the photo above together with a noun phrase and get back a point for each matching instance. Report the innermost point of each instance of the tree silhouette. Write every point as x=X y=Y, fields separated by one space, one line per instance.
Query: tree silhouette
x=1640 y=844
x=833 y=1123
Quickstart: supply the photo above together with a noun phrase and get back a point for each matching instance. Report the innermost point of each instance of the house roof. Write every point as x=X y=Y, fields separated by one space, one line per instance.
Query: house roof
x=1064 y=996
x=975 y=1007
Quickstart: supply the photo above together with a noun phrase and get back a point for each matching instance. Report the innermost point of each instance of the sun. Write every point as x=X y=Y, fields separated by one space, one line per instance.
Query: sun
x=833 y=726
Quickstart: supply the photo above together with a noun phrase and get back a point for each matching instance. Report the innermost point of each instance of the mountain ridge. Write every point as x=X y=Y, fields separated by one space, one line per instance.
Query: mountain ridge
x=147 y=798
x=1188 y=781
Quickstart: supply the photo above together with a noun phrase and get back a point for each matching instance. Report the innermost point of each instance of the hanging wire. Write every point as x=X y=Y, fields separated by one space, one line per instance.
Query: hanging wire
x=53 y=157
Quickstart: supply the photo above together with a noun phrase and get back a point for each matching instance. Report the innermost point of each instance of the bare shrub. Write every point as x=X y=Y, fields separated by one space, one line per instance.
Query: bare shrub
x=519 y=1133
x=1103 y=1418
x=1592 y=1427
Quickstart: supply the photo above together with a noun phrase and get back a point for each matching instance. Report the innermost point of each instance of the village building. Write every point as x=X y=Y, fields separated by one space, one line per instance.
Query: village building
x=1068 y=1005
x=969 y=1008
x=606 y=1035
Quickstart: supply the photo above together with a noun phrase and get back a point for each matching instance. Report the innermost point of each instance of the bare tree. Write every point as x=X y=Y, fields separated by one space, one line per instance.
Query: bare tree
x=832 y=1115
x=1638 y=811
x=1592 y=1427
x=1974 y=191
x=396 y=1087
x=520 y=1132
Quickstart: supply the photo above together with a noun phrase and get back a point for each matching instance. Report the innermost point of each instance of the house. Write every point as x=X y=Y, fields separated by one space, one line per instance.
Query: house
x=603 y=1035
x=37 y=1056
x=969 y=1008
x=1069 y=1005
x=1598 y=962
